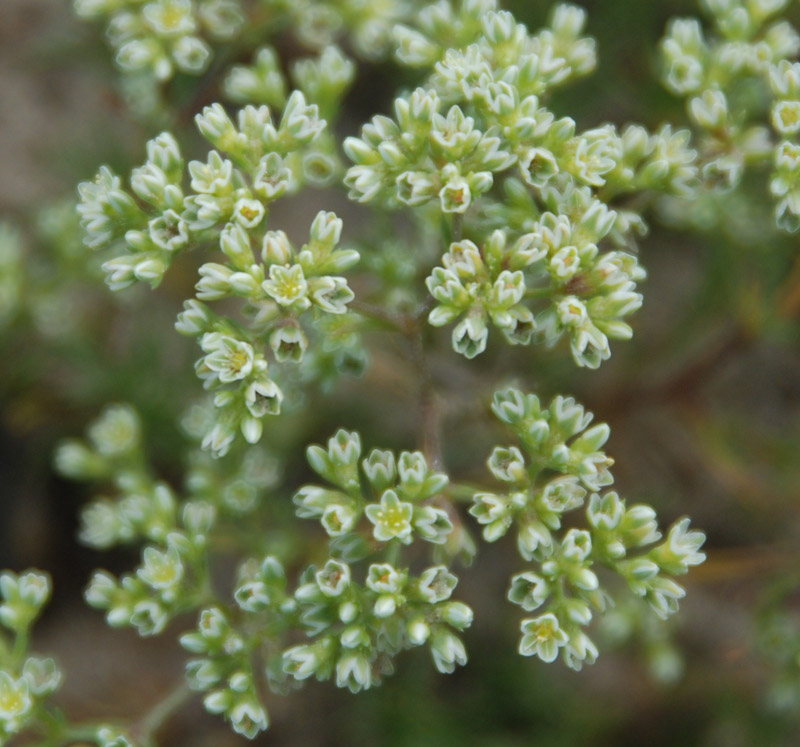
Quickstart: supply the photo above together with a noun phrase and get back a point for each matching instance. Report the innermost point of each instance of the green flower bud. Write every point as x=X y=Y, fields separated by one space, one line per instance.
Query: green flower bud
x=470 y=335
x=43 y=676
x=354 y=671
x=216 y=126
x=432 y=524
x=379 y=467
x=195 y=319
x=447 y=650
x=457 y=614
x=261 y=83
x=276 y=248
x=436 y=584
x=528 y=590
x=273 y=178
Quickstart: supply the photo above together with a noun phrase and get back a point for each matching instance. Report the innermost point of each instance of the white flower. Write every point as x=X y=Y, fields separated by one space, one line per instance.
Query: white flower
x=230 y=359
x=354 y=671
x=248 y=718
x=15 y=700
x=542 y=637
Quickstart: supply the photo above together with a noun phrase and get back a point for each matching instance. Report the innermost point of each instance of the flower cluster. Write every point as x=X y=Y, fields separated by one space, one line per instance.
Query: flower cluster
x=588 y=293
x=223 y=667
x=25 y=681
x=172 y=577
x=493 y=37
x=228 y=204
x=358 y=629
x=560 y=469
x=323 y=79
x=368 y=26
x=286 y=285
x=716 y=72
x=398 y=497
x=156 y=39
x=478 y=124
x=162 y=37
x=424 y=155
x=173 y=574
x=524 y=222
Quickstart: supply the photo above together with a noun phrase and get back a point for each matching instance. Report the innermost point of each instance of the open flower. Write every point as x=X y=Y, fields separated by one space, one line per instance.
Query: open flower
x=391 y=517
x=542 y=636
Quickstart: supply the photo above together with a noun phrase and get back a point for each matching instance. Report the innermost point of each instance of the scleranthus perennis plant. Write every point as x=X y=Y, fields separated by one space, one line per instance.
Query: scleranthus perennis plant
x=457 y=243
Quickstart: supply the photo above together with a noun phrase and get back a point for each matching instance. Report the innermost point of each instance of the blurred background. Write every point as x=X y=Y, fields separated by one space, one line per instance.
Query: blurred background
x=704 y=406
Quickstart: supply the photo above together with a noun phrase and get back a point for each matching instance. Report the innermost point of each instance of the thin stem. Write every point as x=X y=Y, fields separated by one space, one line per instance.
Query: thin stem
x=147 y=727
x=20 y=645
x=430 y=410
x=60 y=733
x=392 y=552
x=79 y=734
x=458 y=226
x=391 y=319
x=462 y=492
x=539 y=292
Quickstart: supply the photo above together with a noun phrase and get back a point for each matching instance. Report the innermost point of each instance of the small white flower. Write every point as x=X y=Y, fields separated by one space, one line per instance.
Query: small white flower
x=542 y=636
x=230 y=359
x=15 y=700
x=248 y=718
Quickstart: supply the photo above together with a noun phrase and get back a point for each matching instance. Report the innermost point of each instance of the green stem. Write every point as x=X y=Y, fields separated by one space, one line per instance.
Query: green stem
x=458 y=226
x=147 y=727
x=392 y=552
x=430 y=409
x=60 y=733
x=463 y=492
x=378 y=314
x=539 y=292
x=20 y=646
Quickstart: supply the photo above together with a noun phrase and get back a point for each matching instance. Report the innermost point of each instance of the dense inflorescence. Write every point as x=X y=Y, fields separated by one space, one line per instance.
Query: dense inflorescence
x=524 y=229
x=742 y=86
x=477 y=137
x=563 y=586
x=284 y=291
